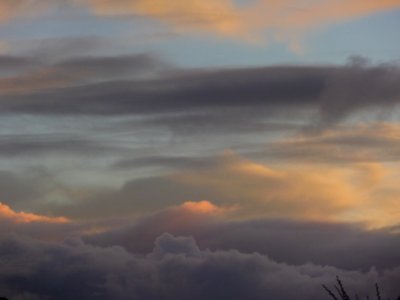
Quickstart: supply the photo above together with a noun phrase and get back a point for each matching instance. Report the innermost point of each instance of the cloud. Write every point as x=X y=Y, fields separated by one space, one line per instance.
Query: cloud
x=73 y=72
x=36 y=145
x=361 y=192
x=292 y=242
x=142 y=85
x=363 y=143
x=12 y=8
x=176 y=268
x=221 y=16
x=21 y=217
x=286 y=19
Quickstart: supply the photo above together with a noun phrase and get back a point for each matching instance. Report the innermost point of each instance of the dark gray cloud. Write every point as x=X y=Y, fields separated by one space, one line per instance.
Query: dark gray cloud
x=293 y=242
x=10 y=64
x=175 y=269
x=33 y=145
x=112 y=67
x=15 y=189
x=333 y=90
x=174 y=162
x=134 y=196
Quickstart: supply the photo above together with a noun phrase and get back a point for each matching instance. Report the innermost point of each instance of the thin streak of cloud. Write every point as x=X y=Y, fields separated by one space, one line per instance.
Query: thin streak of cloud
x=287 y=19
x=22 y=217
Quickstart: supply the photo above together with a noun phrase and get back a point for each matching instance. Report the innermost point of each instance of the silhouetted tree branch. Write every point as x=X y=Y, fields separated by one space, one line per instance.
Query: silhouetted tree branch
x=341 y=293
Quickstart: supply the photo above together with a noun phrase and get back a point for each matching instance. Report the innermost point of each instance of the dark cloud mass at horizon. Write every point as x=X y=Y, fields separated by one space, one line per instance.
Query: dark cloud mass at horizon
x=176 y=268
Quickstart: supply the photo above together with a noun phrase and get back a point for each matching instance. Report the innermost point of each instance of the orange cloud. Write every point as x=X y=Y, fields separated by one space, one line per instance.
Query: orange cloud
x=21 y=217
x=14 y=8
x=365 y=193
x=221 y=16
x=205 y=207
x=43 y=79
x=363 y=143
x=287 y=18
x=201 y=206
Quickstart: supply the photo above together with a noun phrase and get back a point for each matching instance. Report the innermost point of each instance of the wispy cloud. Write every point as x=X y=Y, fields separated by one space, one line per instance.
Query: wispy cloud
x=285 y=19
x=22 y=217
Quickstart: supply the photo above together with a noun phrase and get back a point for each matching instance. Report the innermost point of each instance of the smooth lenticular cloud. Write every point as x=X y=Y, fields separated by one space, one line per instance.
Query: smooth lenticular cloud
x=21 y=217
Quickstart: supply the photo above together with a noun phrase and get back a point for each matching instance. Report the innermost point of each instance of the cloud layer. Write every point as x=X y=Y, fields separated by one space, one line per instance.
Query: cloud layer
x=223 y=17
x=144 y=85
x=176 y=268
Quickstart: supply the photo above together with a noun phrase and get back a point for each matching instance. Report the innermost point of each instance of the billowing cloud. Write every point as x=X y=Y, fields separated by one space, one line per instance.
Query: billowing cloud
x=293 y=242
x=176 y=268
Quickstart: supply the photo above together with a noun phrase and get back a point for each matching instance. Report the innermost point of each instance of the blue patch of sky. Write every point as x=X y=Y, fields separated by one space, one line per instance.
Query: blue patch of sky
x=375 y=37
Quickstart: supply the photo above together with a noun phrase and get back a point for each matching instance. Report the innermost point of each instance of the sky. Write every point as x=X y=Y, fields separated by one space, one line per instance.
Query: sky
x=202 y=149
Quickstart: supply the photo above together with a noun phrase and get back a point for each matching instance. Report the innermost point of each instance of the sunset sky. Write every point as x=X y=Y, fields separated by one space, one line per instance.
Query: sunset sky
x=199 y=149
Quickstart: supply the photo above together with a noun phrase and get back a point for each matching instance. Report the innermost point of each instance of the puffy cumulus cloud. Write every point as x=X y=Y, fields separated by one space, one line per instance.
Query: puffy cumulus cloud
x=21 y=217
x=176 y=268
x=293 y=242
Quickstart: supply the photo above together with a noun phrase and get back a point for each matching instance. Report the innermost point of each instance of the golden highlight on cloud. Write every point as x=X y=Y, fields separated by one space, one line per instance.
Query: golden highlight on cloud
x=362 y=143
x=221 y=17
x=310 y=192
x=21 y=217
x=227 y=18
x=201 y=206
x=287 y=19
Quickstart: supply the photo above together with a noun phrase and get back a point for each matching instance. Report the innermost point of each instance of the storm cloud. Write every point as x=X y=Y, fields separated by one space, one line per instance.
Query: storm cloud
x=175 y=269
x=292 y=242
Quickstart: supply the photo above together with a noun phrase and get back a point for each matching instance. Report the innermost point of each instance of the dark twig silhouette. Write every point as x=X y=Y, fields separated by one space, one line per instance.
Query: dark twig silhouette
x=330 y=292
x=341 y=293
x=378 y=294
